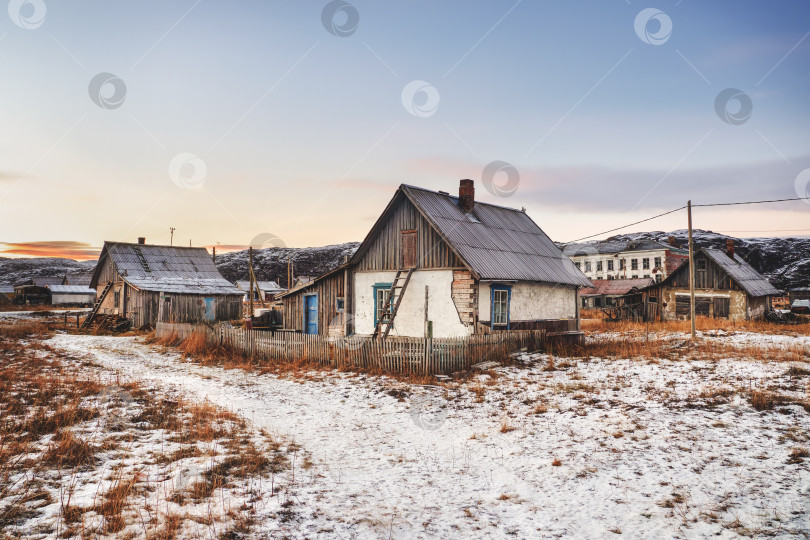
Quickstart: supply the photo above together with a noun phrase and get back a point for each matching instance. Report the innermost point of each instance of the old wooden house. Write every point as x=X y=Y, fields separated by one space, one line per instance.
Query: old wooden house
x=440 y=265
x=318 y=306
x=605 y=292
x=725 y=287
x=149 y=283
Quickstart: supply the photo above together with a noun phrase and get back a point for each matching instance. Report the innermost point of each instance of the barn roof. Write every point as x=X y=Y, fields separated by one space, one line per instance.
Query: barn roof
x=743 y=273
x=71 y=289
x=615 y=286
x=494 y=242
x=170 y=269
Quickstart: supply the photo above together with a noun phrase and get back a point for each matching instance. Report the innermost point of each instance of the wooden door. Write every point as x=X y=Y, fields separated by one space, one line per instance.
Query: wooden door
x=311 y=314
x=721 y=306
x=409 y=249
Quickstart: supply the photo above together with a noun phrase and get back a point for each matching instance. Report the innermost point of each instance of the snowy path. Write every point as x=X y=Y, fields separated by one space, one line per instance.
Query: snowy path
x=634 y=461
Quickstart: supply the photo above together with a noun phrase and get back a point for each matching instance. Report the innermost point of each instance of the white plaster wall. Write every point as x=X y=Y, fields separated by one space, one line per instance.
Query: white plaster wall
x=531 y=301
x=410 y=319
x=626 y=255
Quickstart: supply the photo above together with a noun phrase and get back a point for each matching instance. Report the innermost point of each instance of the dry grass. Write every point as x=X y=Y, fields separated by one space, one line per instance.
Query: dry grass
x=50 y=412
x=702 y=324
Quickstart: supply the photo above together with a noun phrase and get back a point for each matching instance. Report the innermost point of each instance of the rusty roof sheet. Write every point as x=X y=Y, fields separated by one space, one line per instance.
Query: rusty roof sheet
x=615 y=286
x=171 y=269
x=743 y=273
x=497 y=243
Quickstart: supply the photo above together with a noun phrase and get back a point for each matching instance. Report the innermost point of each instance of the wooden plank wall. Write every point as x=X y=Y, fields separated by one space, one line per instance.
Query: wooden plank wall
x=714 y=277
x=328 y=290
x=385 y=250
x=399 y=355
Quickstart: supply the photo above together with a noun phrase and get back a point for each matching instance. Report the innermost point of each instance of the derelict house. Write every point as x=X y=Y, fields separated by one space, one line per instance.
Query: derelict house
x=444 y=266
x=148 y=283
x=726 y=287
x=318 y=306
x=35 y=290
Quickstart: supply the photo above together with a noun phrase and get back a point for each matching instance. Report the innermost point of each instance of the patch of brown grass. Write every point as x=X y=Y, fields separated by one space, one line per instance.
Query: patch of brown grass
x=69 y=451
x=762 y=400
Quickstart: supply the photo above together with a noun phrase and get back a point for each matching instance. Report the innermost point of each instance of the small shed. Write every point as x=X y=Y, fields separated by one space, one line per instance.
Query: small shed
x=318 y=306
x=605 y=292
x=72 y=295
x=30 y=294
x=267 y=289
x=726 y=287
x=799 y=293
x=6 y=294
x=150 y=283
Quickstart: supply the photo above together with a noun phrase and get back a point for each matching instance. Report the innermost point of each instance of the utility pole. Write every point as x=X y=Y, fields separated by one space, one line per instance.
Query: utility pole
x=691 y=271
x=171 y=239
x=250 y=289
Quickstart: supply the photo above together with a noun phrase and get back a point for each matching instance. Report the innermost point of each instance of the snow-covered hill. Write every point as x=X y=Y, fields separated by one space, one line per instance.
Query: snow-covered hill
x=16 y=270
x=784 y=261
x=271 y=263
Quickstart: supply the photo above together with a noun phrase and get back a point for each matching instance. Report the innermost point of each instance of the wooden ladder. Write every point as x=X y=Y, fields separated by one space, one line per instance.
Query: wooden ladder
x=89 y=319
x=392 y=302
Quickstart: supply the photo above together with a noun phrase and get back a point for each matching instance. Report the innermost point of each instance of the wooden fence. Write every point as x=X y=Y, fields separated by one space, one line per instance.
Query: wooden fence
x=393 y=354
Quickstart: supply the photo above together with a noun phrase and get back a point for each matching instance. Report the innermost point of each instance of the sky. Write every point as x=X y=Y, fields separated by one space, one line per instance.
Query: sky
x=293 y=123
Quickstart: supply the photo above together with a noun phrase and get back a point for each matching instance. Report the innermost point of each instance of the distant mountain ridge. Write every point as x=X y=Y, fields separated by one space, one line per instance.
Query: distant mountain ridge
x=784 y=261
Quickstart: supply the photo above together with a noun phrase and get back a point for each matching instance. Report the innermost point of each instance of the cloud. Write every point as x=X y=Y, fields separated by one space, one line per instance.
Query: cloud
x=67 y=249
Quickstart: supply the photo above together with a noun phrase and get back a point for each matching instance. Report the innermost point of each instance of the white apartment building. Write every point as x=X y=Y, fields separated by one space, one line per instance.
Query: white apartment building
x=626 y=259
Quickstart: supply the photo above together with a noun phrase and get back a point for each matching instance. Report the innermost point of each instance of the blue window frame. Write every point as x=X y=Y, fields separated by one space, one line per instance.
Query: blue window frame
x=500 y=299
x=381 y=291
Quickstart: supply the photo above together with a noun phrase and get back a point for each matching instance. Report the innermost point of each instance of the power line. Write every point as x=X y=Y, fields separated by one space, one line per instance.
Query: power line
x=625 y=226
x=752 y=202
x=695 y=206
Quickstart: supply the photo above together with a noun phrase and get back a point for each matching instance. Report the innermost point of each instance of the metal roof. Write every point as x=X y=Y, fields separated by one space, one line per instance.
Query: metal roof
x=266 y=286
x=79 y=279
x=71 y=289
x=743 y=273
x=614 y=247
x=6 y=289
x=499 y=243
x=170 y=269
x=615 y=286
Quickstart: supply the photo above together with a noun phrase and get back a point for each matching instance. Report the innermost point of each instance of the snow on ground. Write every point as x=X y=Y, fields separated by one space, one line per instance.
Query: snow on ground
x=645 y=449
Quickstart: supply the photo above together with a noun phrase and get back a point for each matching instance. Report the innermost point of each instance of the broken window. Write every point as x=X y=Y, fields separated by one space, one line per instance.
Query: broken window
x=577 y=265
x=657 y=262
x=598 y=266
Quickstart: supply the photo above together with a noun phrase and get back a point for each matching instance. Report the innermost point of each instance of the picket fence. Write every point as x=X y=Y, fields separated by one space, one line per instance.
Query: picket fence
x=428 y=356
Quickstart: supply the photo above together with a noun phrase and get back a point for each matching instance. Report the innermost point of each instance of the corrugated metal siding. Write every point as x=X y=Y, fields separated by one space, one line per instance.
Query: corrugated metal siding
x=505 y=245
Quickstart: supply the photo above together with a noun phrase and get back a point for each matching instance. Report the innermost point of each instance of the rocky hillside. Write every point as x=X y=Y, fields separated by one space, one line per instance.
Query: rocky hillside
x=16 y=270
x=271 y=263
x=784 y=261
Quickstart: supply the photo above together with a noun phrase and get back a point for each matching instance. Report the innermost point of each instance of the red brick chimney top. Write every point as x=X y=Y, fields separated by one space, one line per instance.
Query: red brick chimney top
x=141 y=240
x=466 y=195
x=730 y=247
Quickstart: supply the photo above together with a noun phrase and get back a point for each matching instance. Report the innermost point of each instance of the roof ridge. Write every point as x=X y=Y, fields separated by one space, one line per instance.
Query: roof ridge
x=436 y=192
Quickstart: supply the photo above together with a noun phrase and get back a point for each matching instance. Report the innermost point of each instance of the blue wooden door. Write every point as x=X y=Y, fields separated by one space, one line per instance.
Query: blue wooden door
x=210 y=309
x=311 y=314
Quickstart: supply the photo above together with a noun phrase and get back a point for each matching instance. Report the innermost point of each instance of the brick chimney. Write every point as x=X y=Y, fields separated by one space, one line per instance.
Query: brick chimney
x=466 y=195
x=730 y=248
x=141 y=240
x=671 y=241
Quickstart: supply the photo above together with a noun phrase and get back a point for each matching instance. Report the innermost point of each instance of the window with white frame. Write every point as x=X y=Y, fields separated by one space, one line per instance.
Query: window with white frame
x=610 y=265
x=645 y=263
x=500 y=306
x=598 y=266
x=587 y=266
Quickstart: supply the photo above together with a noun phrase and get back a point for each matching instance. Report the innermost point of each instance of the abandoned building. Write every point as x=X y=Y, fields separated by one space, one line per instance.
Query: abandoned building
x=318 y=306
x=627 y=259
x=149 y=283
x=605 y=292
x=440 y=265
x=268 y=290
x=6 y=294
x=77 y=279
x=725 y=287
x=72 y=295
